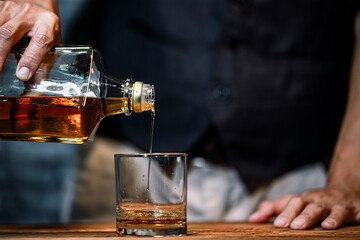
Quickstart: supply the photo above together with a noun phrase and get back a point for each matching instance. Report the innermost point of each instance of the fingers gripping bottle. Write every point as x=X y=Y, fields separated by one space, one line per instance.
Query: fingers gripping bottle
x=66 y=98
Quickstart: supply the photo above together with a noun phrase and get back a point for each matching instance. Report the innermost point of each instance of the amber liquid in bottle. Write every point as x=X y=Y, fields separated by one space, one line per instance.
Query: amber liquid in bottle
x=54 y=119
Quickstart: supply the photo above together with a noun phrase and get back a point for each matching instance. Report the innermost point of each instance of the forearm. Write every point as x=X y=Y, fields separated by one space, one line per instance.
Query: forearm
x=345 y=165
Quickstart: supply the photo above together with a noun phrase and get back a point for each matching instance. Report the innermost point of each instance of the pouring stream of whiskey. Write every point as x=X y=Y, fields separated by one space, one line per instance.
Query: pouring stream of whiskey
x=151 y=145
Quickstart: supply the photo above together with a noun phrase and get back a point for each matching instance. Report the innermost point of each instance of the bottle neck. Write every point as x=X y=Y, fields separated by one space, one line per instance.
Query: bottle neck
x=137 y=97
x=143 y=98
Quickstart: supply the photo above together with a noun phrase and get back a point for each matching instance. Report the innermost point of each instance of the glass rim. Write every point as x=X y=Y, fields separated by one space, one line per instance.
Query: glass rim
x=121 y=155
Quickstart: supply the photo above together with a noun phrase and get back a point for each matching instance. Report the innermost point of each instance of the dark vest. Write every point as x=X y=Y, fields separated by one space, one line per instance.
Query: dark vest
x=269 y=77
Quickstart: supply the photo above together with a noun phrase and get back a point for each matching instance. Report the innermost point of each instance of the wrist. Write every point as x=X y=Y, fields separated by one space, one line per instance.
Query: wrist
x=343 y=170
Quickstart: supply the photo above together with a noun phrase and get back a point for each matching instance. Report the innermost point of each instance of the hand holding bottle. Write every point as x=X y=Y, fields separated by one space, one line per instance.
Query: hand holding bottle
x=37 y=19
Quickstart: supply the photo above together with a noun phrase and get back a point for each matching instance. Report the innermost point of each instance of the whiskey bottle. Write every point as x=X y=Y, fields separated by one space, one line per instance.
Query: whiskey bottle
x=66 y=98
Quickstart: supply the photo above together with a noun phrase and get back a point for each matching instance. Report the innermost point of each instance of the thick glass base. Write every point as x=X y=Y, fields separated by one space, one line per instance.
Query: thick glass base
x=152 y=231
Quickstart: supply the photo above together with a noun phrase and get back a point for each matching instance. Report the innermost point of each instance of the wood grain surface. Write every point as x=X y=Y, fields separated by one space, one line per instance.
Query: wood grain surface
x=208 y=231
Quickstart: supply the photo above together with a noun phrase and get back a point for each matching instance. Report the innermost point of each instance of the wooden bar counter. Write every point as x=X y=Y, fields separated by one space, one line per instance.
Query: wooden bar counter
x=207 y=231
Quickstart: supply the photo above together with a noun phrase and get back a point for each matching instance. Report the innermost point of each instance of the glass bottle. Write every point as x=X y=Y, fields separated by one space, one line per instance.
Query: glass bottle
x=66 y=98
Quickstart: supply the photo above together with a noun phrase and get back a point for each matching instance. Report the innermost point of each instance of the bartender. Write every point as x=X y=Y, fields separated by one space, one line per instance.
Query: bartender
x=258 y=86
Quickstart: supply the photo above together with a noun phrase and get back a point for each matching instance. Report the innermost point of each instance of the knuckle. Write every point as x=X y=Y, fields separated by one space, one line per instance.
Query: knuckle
x=311 y=191
x=297 y=200
x=9 y=4
x=306 y=215
x=55 y=17
x=56 y=25
x=43 y=39
x=317 y=205
x=26 y=7
x=341 y=208
x=30 y=61
x=6 y=5
x=285 y=199
x=7 y=32
x=335 y=215
x=308 y=193
x=51 y=17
